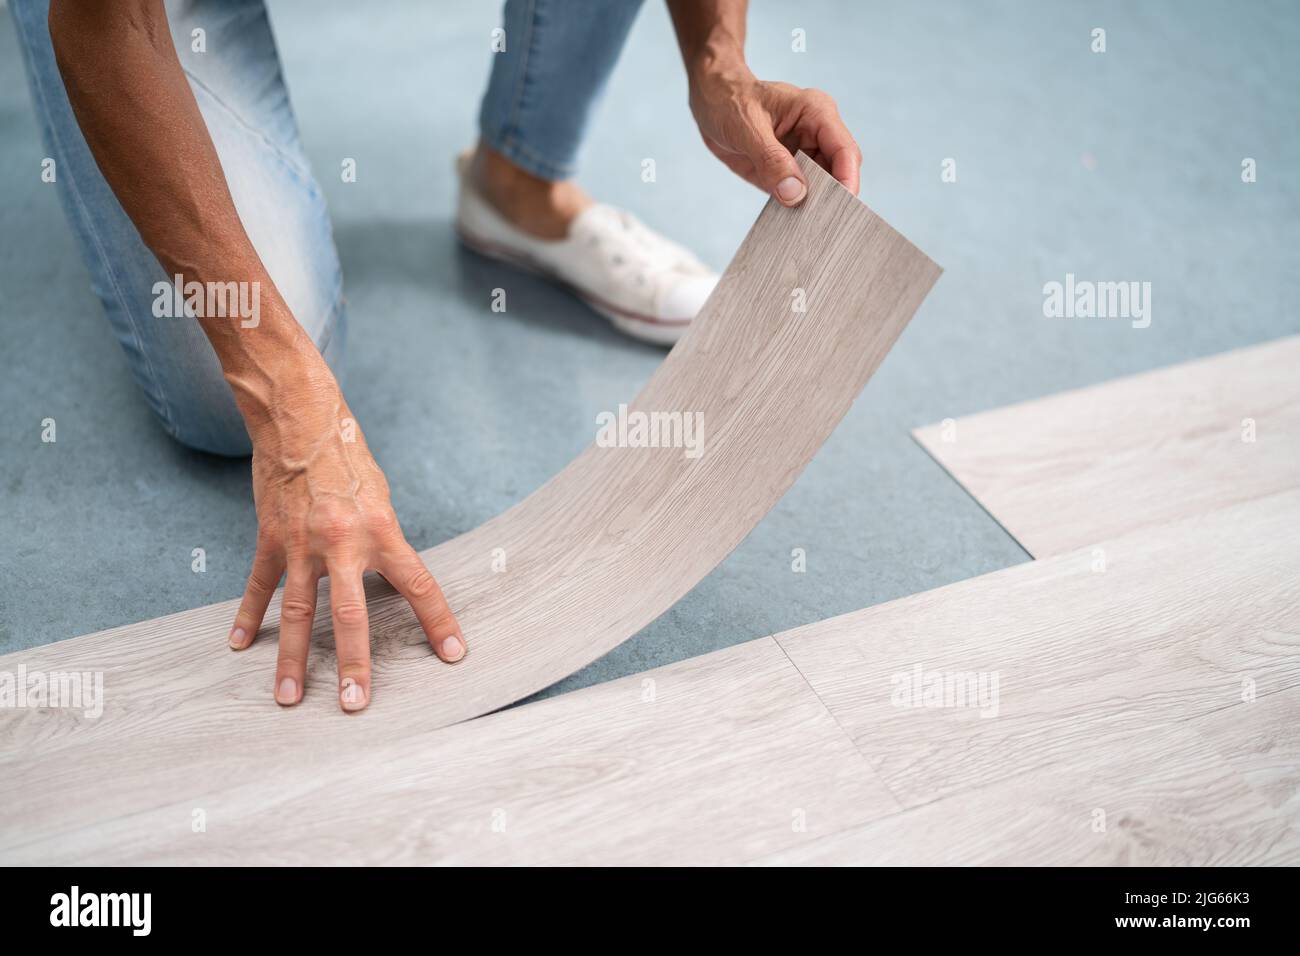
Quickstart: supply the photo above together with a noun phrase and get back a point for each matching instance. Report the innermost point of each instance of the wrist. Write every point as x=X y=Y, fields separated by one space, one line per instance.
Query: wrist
x=283 y=387
x=719 y=57
x=720 y=85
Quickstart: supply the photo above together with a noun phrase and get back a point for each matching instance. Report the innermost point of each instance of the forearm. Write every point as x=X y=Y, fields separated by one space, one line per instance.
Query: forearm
x=144 y=128
x=711 y=35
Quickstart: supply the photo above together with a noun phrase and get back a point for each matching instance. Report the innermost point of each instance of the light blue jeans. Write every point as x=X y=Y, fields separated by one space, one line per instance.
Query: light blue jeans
x=557 y=56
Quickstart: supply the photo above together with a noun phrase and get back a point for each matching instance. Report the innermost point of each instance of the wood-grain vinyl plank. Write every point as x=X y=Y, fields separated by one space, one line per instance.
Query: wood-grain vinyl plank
x=591 y=557
x=1148 y=690
x=1064 y=471
x=1163 y=798
x=719 y=759
x=1180 y=618
x=1260 y=738
x=1116 y=692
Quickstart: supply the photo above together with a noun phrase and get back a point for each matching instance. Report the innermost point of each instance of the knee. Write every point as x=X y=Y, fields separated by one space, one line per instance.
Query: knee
x=207 y=423
x=226 y=442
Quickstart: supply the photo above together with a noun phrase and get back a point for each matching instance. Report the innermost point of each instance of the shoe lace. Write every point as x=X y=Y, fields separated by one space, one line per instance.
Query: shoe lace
x=633 y=246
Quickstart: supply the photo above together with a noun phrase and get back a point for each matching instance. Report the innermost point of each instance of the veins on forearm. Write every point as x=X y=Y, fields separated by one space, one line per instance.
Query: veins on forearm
x=711 y=35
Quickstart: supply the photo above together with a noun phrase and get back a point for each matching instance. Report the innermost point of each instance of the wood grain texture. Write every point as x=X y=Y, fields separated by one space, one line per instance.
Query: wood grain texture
x=592 y=557
x=1118 y=691
x=1182 y=615
x=1152 y=799
x=719 y=759
x=1260 y=738
x=1087 y=465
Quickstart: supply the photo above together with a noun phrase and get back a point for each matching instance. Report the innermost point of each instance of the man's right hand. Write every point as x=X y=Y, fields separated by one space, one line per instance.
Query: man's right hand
x=323 y=509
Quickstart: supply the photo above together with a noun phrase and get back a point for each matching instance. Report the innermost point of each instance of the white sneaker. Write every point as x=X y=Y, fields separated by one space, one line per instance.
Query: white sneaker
x=648 y=286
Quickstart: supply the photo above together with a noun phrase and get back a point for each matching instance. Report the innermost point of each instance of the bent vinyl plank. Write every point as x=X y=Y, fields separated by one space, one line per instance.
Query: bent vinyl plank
x=591 y=557
x=1182 y=617
x=1064 y=471
x=718 y=759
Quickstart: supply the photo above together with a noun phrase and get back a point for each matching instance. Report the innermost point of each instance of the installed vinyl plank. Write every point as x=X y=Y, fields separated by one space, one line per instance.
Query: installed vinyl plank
x=719 y=759
x=1260 y=738
x=1062 y=472
x=1158 y=799
x=792 y=749
x=1179 y=618
x=589 y=559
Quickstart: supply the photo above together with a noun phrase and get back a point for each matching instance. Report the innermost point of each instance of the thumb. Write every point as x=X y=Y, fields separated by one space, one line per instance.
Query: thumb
x=776 y=170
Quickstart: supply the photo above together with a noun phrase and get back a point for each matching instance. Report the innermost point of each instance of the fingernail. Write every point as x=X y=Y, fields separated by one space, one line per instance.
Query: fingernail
x=287 y=692
x=453 y=649
x=237 y=638
x=351 y=694
x=790 y=190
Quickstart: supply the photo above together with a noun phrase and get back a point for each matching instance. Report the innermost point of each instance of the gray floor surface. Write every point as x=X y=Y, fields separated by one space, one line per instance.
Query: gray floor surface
x=1116 y=166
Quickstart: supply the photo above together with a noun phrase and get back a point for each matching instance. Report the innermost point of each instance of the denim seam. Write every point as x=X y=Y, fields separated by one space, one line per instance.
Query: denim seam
x=331 y=317
x=507 y=141
x=304 y=177
x=516 y=103
x=156 y=393
x=285 y=157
